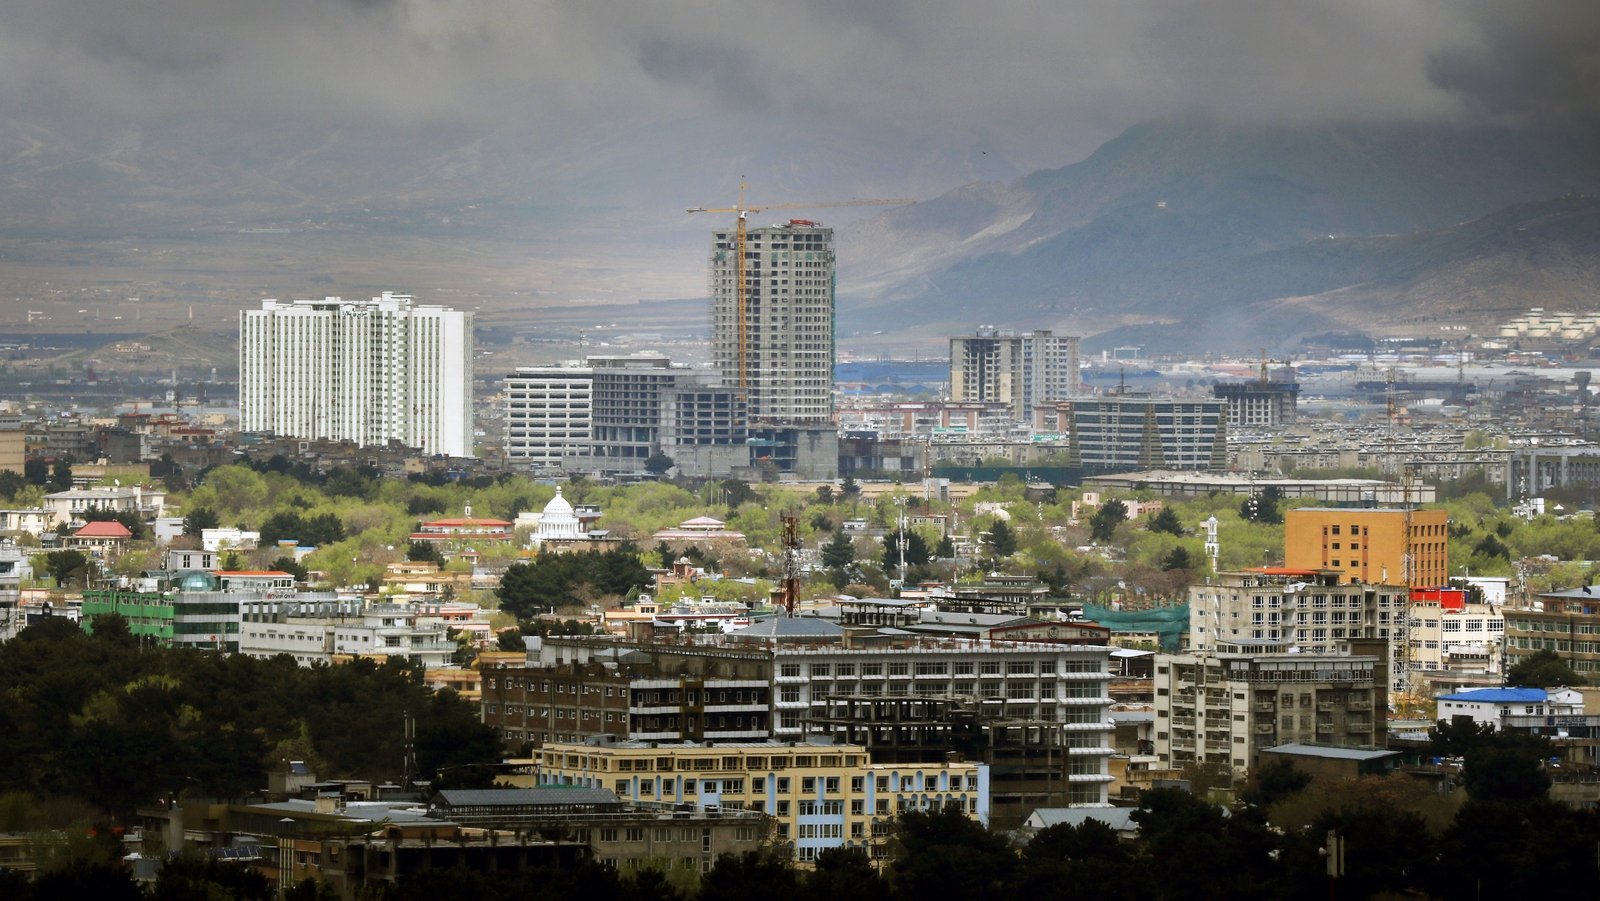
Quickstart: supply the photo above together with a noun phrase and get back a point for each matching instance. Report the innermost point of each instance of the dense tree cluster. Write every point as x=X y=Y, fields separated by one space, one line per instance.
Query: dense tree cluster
x=318 y=530
x=1542 y=669
x=118 y=724
x=553 y=581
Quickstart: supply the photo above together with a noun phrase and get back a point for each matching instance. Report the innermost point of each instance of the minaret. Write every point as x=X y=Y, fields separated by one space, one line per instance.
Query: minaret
x=1213 y=549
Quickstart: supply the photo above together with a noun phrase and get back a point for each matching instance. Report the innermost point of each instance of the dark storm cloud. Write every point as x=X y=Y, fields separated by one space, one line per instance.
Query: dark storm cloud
x=1032 y=74
x=1537 y=60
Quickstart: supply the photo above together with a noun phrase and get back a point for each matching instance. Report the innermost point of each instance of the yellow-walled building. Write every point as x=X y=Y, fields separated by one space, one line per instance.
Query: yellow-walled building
x=1370 y=545
x=820 y=795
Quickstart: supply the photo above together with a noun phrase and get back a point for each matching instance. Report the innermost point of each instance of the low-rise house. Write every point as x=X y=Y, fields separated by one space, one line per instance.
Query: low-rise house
x=1496 y=706
x=105 y=539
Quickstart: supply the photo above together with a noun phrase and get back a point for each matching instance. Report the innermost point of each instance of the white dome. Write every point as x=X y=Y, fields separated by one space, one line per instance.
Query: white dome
x=557 y=520
x=558 y=505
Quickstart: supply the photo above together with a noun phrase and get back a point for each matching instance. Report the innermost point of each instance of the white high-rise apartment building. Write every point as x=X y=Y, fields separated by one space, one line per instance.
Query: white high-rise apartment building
x=548 y=415
x=788 y=328
x=368 y=371
x=1017 y=368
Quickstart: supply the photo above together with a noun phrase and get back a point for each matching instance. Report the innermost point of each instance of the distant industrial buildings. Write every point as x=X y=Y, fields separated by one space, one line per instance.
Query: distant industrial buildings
x=368 y=371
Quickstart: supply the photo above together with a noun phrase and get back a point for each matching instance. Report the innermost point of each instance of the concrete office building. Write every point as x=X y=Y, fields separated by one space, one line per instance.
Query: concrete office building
x=1228 y=707
x=644 y=404
x=1259 y=403
x=1310 y=611
x=1019 y=369
x=548 y=415
x=1036 y=712
x=785 y=373
x=367 y=371
x=1566 y=623
x=13 y=443
x=820 y=794
x=1125 y=434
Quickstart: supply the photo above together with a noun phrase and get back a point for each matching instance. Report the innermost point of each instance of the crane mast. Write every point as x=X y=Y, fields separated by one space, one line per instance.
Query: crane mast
x=741 y=288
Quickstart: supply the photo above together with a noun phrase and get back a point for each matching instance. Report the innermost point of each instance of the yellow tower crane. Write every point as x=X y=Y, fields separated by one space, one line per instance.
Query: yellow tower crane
x=743 y=298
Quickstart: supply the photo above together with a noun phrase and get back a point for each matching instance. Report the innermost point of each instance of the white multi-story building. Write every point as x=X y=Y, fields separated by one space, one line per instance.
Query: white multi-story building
x=368 y=371
x=1019 y=369
x=318 y=631
x=786 y=370
x=547 y=415
x=1306 y=611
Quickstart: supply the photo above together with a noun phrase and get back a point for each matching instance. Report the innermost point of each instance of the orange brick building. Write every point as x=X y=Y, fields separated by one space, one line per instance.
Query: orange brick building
x=1370 y=545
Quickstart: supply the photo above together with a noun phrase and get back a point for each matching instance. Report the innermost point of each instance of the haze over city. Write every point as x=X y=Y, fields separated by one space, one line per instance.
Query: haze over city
x=819 y=451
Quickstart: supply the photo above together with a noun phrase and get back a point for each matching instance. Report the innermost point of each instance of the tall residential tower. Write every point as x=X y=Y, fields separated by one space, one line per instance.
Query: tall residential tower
x=788 y=335
x=1021 y=369
x=367 y=371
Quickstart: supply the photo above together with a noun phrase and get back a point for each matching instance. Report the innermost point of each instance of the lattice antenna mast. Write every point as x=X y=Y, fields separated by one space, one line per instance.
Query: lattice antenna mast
x=791 y=562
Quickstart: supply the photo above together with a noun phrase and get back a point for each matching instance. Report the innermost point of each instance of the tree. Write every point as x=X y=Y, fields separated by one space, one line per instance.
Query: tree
x=11 y=482
x=1274 y=781
x=1177 y=559
x=510 y=640
x=946 y=549
x=1263 y=507
x=1542 y=669
x=61 y=476
x=291 y=566
x=945 y=854
x=36 y=471
x=67 y=567
x=1166 y=521
x=1000 y=540
x=424 y=552
x=916 y=550
x=658 y=463
x=1491 y=546
x=840 y=551
x=849 y=489
x=200 y=519
x=1506 y=767
x=1103 y=524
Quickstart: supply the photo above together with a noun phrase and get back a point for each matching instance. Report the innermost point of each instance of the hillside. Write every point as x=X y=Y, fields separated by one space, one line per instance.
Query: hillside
x=1189 y=224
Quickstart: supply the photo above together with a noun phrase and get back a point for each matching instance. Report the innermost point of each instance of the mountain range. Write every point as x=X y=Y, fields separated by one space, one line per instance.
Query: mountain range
x=1176 y=234
x=1186 y=235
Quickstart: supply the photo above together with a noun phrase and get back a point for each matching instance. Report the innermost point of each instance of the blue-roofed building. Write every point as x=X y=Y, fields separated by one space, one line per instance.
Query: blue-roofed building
x=1494 y=705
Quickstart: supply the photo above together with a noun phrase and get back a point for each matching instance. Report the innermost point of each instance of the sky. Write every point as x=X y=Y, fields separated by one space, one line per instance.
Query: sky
x=1040 y=81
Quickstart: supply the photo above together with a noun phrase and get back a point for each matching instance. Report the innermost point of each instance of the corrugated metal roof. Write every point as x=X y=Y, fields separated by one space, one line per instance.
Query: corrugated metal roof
x=526 y=797
x=1335 y=753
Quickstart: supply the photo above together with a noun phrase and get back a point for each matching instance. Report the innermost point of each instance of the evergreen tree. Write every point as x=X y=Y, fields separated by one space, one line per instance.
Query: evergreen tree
x=199 y=519
x=1166 y=521
x=1000 y=540
x=1103 y=524
x=916 y=550
x=839 y=552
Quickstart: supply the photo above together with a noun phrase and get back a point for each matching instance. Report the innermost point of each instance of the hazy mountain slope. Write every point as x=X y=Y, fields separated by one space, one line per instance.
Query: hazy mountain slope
x=1170 y=220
